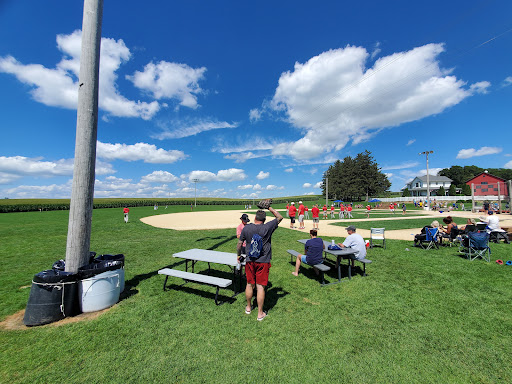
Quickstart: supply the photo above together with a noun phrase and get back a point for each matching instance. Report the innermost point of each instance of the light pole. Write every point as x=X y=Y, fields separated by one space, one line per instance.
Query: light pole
x=428 y=180
x=195 y=191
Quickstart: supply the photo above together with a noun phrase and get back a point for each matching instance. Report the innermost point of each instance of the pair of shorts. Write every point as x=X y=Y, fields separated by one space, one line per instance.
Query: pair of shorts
x=257 y=273
x=292 y=219
x=316 y=219
x=301 y=218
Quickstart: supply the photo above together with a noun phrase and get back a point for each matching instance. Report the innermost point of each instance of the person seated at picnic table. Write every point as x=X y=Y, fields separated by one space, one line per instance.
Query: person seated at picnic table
x=450 y=229
x=355 y=241
x=494 y=228
x=423 y=235
x=313 y=250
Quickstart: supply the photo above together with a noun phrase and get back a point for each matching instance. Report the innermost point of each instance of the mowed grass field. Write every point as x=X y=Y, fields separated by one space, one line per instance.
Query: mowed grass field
x=418 y=317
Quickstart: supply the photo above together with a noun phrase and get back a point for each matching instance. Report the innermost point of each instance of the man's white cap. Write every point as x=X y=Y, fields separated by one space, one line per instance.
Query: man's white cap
x=300 y=202
x=293 y=203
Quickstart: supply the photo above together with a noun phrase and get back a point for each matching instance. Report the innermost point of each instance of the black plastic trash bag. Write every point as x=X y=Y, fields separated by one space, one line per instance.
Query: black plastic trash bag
x=53 y=296
x=98 y=267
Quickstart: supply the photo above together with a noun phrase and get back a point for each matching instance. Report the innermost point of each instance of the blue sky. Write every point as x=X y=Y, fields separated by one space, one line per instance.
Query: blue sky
x=253 y=99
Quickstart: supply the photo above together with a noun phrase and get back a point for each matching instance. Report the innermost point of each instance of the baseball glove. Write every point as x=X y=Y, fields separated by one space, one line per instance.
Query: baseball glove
x=264 y=204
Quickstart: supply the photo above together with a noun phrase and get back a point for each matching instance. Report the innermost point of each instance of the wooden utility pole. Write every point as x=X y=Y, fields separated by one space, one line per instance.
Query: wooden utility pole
x=80 y=213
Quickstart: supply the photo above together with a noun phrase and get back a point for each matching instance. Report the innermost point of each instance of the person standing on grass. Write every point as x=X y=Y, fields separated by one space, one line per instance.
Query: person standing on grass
x=313 y=250
x=325 y=211
x=342 y=211
x=244 y=221
x=292 y=211
x=392 y=208
x=404 y=208
x=315 y=212
x=257 y=270
x=126 y=211
x=301 y=215
x=368 y=209
x=355 y=241
x=287 y=210
x=306 y=212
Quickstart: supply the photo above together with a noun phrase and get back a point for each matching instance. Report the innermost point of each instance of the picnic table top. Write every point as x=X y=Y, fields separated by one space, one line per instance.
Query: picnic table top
x=336 y=252
x=209 y=256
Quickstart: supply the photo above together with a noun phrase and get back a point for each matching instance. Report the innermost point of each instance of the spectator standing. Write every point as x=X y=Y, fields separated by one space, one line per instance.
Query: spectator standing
x=306 y=210
x=404 y=208
x=287 y=210
x=332 y=211
x=257 y=270
x=315 y=212
x=244 y=221
x=301 y=215
x=292 y=212
x=313 y=250
x=325 y=211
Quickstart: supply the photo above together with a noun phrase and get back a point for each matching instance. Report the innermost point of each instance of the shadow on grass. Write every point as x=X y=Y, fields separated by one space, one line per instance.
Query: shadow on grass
x=225 y=239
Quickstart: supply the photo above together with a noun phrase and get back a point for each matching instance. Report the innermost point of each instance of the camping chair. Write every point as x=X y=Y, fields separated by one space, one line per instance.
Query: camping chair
x=481 y=226
x=377 y=234
x=454 y=236
x=431 y=240
x=478 y=246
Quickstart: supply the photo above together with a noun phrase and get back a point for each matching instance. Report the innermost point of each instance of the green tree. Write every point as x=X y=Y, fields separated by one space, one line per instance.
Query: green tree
x=354 y=178
x=453 y=190
x=406 y=193
x=441 y=191
x=466 y=190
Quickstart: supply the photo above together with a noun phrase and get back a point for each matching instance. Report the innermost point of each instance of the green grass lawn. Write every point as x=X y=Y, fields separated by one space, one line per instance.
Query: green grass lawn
x=418 y=317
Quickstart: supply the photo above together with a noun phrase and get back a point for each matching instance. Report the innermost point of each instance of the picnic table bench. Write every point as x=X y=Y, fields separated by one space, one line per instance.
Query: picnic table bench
x=198 y=278
x=322 y=268
x=210 y=257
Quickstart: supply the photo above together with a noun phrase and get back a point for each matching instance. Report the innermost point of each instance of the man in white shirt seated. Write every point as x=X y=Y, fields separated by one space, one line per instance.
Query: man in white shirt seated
x=355 y=241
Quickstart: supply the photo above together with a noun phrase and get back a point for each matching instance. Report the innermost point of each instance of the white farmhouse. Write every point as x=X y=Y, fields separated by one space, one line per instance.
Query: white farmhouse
x=418 y=186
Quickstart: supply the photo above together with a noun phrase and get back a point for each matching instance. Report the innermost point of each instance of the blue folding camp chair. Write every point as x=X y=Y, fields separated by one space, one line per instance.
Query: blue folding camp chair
x=431 y=240
x=478 y=246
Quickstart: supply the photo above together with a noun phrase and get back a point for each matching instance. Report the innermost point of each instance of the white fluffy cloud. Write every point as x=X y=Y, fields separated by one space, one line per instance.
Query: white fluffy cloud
x=410 y=142
x=15 y=167
x=148 y=153
x=171 y=81
x=263 y=175
x=507 y=81
x=232 y=174
x=318 y=185
x=289 y=170
x=306 y=185
x=159 y=177
x=58 y=86
x=472 y=152
x=508 y=165
x=353 y=102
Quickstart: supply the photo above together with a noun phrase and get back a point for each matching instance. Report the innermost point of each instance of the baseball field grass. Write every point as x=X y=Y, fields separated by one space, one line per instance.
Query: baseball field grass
x=418 y=317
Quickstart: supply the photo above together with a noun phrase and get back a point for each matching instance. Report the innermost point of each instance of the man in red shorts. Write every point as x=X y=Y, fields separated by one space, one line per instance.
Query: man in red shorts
x=258 y=235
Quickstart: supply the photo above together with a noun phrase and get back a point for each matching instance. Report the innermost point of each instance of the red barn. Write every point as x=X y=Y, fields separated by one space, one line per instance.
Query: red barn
x=486 y=184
